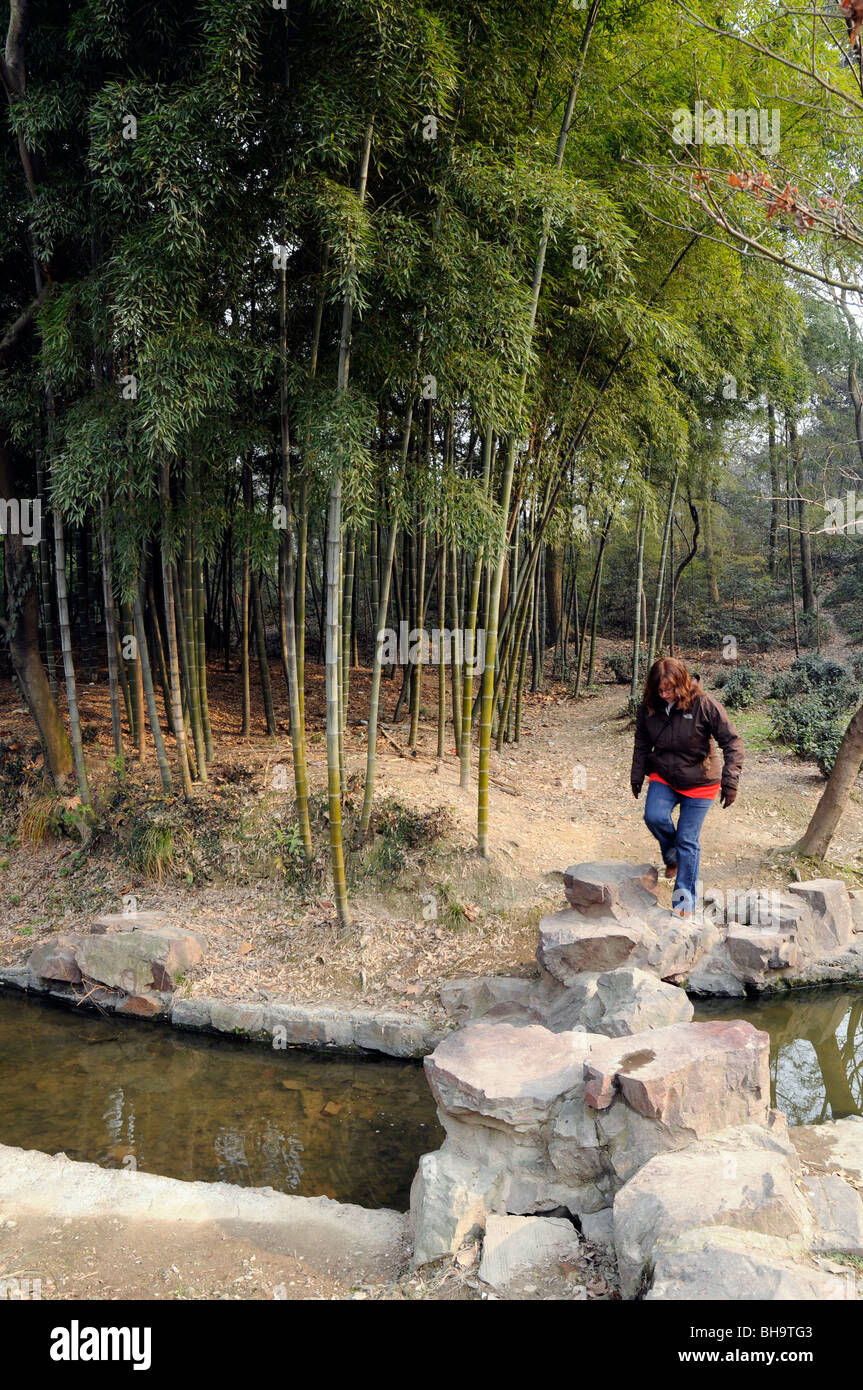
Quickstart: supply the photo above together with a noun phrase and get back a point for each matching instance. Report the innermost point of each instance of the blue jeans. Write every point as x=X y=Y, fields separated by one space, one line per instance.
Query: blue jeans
x=679 y=844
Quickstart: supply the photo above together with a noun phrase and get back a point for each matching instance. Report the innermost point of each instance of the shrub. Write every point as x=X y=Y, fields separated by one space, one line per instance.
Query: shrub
x=787 y=684
x=741 y=686
x=837 y=686
x=811 y=728
x=620 y=666
x=812 y=630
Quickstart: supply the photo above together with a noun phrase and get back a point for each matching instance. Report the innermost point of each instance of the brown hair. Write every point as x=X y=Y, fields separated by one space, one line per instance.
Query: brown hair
x=670 y=669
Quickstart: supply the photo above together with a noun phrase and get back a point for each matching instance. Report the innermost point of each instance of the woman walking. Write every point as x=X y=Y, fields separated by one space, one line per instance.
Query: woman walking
x=675 y=727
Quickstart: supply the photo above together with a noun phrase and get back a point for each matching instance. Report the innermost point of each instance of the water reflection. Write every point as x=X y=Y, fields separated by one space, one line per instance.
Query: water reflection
x=816 y=1048
x=135 y=1095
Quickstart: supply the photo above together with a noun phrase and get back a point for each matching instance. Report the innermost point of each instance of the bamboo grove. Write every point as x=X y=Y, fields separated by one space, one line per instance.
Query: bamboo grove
x=342 y=319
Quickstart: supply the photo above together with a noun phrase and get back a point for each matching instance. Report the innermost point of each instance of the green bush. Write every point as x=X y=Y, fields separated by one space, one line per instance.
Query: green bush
x=811 y=631
x=811 y=728
x=740 y=686
x=620 y=666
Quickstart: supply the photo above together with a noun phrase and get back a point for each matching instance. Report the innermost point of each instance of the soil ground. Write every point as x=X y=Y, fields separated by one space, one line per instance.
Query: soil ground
x=559 y=796
x=107 y=1259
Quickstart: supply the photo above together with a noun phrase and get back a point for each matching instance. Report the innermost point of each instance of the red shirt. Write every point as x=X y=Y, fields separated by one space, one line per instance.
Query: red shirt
x=709 y=792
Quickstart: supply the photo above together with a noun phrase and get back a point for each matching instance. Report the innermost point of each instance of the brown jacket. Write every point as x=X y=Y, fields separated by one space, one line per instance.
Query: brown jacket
x=679 y=746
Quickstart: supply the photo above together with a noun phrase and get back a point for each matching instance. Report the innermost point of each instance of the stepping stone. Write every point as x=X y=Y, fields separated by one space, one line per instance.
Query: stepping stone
x=700 y=1075
x=570 y=944
x=600 y=884
x=506 y=1074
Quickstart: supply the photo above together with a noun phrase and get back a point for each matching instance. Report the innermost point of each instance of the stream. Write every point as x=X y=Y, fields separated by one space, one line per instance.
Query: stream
x=127 y=1093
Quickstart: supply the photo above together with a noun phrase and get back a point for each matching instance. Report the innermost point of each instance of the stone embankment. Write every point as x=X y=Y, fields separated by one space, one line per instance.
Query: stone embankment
x=132 y=963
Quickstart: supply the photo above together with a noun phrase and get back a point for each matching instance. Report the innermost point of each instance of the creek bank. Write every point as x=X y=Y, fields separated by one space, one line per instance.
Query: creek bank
x=131 y=965
x=334 y=1237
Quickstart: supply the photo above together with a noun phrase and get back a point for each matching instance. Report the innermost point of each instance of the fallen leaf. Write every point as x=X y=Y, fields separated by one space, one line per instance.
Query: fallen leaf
x=245 y=948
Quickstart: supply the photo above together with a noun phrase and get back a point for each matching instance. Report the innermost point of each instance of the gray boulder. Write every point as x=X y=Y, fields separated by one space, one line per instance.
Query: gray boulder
x=514 y=1244
x=601 y=884
x=450 y=1196
x=744 y=1178
x=141 y=959
x=570 y=943
x=634 y=1001
x=471 y=998
x=500 y=1074
x=830 y=905
x=740 y=1267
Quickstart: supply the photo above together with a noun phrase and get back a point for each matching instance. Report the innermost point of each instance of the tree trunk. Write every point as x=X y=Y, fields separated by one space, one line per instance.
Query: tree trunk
x=68 y=664
x=171 y=634
x=639 y=593
x=802 y=509
x=553 y=592
x=21 y=627
x=773 y=548
x=150 y=695
x=660 y=580
x=111 y=637
x=836 y=794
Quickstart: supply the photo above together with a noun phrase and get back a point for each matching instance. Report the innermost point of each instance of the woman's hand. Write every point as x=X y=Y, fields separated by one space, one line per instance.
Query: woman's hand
x=636 y=789
x=728 y=796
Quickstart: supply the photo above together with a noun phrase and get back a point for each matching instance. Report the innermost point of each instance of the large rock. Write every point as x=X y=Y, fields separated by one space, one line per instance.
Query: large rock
x=830 y=904
x=834 y=1147
x=634 y=1001
x=129 y=921
x=674 y=946
x=611 y=1002
x=755 y=952
x=740 y=1267
x=608 y=882
x=574 y=1007
x=514 y=1244
x=56 y=959
x=715 y=976
x=855 y=896
x=743 y=1177
x=471 y=998
x=570 y=943
x=527 y=1181
x=700 y=1076
x=450 y=1195
x=837 y=1214
x=140 y=960
x=502 y=1074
